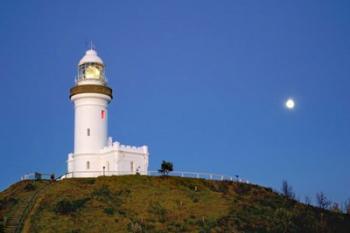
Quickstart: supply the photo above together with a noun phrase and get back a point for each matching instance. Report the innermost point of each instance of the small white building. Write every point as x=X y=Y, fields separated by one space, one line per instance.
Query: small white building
x=95 y=153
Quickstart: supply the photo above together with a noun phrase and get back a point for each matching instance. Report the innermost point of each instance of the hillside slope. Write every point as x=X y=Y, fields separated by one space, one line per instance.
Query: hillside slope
x=162 y=204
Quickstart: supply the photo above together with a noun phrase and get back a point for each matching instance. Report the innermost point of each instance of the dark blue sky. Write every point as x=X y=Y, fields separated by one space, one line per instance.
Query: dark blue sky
x=201 y=82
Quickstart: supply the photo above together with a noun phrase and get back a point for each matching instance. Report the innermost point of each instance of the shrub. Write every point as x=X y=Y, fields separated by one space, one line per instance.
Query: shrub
x=11 y=201
x=287 y=190
x=206 y=225
x=282 y=220
x=122 y=212
x=109 y=211
x=29 y=187
x=75 y=231
x=135 y=227
x=221 y=187
x=66 y=206
x=347 y=207
x=157 y=209
x=242 y=189
x=322 y=201
x=194 y=196
x=165 y=168
x=103 y=192
x=2 y=230
x=335 y=208
x=177 y=227
x=88 y=181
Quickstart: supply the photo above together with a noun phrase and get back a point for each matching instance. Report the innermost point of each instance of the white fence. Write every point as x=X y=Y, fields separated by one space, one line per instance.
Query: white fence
x=198 y=175
x=36 y=176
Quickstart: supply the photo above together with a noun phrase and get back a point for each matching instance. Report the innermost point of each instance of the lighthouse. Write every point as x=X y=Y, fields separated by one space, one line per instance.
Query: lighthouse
x=91 y=97
x=95 y=153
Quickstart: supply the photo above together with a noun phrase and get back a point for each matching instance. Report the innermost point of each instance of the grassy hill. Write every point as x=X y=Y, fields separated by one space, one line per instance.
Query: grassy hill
x=159 y=204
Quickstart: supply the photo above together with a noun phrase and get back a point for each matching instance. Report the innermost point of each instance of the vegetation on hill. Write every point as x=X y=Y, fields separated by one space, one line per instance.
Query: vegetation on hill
x=163 y=204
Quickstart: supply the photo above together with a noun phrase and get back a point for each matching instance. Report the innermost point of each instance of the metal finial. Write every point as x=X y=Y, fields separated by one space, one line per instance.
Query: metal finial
x=92 y=45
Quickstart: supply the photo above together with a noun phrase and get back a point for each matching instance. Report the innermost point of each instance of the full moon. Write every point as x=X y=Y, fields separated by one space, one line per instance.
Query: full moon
x=290 y=104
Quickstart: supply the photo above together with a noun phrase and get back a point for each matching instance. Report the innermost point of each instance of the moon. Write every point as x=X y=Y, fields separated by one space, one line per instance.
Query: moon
x=290 y=104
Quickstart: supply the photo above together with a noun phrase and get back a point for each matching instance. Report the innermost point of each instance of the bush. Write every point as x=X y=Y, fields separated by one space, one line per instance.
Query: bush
x=165 y=168
x=157 y=209
x=66 y=206
x=11 y=201
x=283 y=220
x=109 y=211
x=206 y=225
x=177 y=227
x=135 y=227
x=221 y=187
x=88 y=181
x=194 y=196
x=2 y=230
x=347 y=206
x=242 y=189
x=102 y=192
x=29 y=187
x=322 y=201
x=75 y=231
x=287 y=190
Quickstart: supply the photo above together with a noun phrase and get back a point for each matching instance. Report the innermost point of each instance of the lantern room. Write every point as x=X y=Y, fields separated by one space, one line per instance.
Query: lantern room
x=91 y=69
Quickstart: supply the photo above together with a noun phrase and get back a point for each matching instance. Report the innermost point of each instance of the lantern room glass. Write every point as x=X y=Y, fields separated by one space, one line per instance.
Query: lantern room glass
x=91 y=71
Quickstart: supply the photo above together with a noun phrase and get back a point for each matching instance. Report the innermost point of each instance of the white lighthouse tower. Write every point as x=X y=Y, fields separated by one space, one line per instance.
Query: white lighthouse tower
x=94 y=153
x=91 y=96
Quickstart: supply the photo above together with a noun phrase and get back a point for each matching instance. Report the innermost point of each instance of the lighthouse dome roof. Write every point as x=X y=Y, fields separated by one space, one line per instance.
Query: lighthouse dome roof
x=91 y=57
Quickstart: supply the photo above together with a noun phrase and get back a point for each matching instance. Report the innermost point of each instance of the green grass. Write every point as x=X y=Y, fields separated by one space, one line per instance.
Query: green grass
x=166 y=204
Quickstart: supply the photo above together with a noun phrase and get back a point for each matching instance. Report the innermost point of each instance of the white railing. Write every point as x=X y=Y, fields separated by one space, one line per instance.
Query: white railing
x=198 y=175
x=77 y=174
x=35 y=176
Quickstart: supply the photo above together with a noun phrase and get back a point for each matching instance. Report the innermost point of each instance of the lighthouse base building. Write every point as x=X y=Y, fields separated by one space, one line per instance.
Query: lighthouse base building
x=114 y=159
x=95 y=154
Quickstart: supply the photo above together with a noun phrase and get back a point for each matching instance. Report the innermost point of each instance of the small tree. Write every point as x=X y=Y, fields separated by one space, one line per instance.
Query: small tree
x=322 y=200
x=287 y=190
x=307 y=200
x=165 y=168
x=347 y=207
x=52 y=177
x=335 y=207
x=66 y=206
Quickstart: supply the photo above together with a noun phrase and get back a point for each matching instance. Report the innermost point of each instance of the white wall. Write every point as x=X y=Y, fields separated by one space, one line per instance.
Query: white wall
x=88 y=107
x=139 y=162
x=116 y=160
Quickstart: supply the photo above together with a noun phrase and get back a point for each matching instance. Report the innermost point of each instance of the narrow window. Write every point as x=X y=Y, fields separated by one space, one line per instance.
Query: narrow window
x=87 y=165
x=132 y=166
x=88 y=131
x=103 y=114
